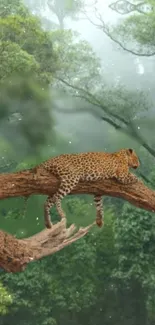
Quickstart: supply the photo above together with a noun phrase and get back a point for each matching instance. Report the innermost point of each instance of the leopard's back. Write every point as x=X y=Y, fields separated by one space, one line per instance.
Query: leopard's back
x=88 y=166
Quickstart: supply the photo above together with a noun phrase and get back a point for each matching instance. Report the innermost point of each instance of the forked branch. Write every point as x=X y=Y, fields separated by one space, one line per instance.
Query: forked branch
x=15 y=254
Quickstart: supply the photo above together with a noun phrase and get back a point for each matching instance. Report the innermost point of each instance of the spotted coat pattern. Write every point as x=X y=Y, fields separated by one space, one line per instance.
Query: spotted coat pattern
x=70 y=169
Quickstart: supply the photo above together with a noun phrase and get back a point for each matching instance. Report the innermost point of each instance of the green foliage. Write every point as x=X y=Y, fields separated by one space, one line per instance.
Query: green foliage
x=31 y=38
x=24 y=101
x=51 y=290
x=135 y=246
x=12 y=7
x=77 y=61
x=80 y=210
x=14 y=59
x=5 y=300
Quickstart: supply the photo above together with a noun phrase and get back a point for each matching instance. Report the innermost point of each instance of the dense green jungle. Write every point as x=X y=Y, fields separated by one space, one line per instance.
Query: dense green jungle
x=77 y=75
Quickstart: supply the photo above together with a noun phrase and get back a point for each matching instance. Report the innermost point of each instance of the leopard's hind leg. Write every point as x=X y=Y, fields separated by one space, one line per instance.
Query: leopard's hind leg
x=99 y=210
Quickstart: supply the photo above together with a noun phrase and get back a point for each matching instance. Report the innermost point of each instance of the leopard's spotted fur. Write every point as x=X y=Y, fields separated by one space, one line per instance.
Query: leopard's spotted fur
x=91 y=166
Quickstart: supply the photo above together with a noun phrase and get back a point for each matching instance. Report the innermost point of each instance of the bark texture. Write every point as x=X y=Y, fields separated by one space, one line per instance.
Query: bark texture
x=15 y=254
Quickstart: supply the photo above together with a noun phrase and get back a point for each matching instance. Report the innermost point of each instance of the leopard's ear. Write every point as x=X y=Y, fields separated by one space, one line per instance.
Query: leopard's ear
x=130 y=151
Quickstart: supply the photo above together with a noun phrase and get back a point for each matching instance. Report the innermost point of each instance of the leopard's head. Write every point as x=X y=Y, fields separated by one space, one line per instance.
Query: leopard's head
x=133 y=160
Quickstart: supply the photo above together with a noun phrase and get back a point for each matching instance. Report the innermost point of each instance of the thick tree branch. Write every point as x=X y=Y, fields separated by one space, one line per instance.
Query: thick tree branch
x=15 y=254
x=26 y=183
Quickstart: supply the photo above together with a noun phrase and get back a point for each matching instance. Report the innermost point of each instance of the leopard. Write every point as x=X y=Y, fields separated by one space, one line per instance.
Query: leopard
x=70 y=169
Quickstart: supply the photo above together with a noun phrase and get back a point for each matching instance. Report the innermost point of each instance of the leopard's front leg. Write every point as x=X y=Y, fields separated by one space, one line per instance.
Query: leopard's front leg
x=66 y=186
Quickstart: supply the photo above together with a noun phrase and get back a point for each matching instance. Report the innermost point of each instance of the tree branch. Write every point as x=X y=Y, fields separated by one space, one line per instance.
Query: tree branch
x=15 y=254
x=107 y=32
x=130 y=129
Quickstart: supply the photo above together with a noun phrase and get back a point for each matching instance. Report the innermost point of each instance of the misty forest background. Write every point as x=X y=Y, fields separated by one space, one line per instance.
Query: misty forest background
x=78 y=76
